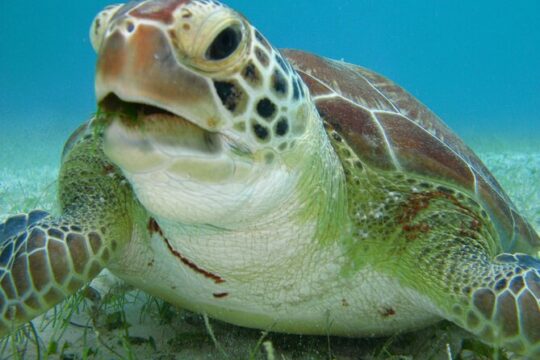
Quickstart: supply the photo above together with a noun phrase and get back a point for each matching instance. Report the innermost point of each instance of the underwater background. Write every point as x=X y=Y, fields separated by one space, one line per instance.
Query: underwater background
x=475 y=63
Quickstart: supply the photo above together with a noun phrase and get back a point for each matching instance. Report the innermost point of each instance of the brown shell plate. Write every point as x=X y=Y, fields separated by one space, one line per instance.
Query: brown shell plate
x=391 y=130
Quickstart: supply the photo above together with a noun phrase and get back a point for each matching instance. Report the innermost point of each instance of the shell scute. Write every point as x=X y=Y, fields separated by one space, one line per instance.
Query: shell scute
x=423 y=154
x=329 y=76
x=358 y=128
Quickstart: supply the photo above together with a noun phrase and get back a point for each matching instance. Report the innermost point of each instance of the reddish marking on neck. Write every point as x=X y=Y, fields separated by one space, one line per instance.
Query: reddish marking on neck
x=387 y=312
x=153 y=227
x=421 y=201
x=220 y=295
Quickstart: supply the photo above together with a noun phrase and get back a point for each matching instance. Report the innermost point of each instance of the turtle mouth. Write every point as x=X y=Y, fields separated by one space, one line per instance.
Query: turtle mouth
x=149 y=124
x=133 y=113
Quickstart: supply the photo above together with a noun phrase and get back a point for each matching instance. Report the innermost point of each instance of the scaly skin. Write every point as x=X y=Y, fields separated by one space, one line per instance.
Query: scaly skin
x=439 y=241
x=44 y=259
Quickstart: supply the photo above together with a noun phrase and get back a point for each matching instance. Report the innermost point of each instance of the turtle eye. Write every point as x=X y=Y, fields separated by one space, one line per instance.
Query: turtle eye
x=225 y=43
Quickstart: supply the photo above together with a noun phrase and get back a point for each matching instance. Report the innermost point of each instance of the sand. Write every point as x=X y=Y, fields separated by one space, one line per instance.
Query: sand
x=129 y=324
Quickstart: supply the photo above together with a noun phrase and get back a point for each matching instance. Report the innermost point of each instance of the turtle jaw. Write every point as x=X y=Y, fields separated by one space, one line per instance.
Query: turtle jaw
x=135 y=114
x=142 y=138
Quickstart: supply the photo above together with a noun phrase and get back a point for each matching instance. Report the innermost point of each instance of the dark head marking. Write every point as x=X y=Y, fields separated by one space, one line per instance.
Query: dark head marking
x=251 y=74
x=279 y=83
x=262 y=40
x=263 y=58
x=260 y=131
x=97 y=26
x=231 y=94
x=282 y=127
x=282 y=64
x=266 y=109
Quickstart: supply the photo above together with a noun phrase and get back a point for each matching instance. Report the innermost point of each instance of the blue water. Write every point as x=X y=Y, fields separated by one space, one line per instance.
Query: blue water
x=476 y=63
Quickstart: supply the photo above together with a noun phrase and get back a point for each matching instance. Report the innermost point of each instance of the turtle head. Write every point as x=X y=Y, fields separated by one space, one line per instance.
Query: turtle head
x=199 y=108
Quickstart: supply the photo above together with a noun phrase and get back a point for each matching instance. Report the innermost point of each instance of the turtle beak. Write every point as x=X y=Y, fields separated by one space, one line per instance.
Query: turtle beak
x=139 y=65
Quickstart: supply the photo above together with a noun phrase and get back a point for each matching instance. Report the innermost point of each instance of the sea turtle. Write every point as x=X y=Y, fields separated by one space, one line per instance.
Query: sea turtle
x=271 y=189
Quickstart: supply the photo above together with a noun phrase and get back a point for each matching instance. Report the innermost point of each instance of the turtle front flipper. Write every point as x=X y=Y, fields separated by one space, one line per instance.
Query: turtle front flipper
x=453 y=250
x=497 y=300
x=43 y=260
x=503 y=306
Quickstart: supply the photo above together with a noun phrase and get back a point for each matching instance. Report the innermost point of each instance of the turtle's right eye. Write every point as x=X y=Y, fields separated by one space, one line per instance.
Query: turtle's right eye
x=100 y=25
x=225 y=43
x=213 y=43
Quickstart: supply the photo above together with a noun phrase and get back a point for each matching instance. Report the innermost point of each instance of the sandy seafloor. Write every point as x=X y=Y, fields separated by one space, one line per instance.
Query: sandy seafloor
x=131 y=325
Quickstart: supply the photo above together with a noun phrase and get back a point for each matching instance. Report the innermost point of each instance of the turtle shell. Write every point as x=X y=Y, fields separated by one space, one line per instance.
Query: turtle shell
x=391 y=130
